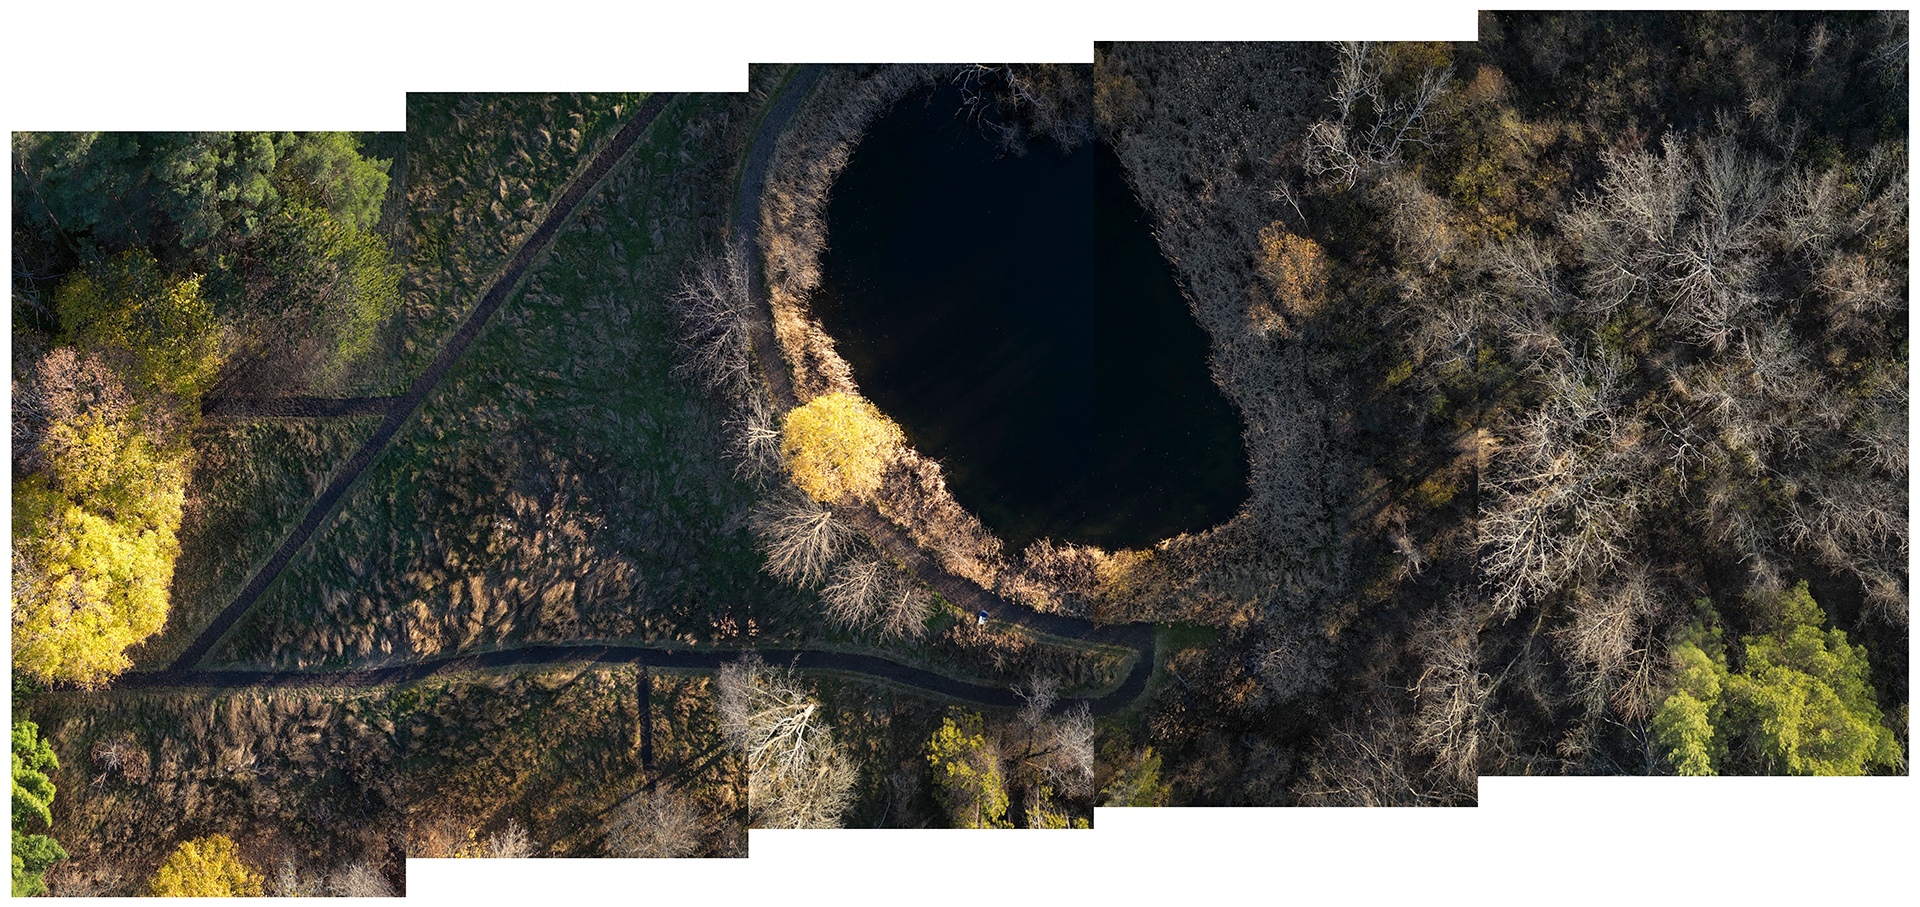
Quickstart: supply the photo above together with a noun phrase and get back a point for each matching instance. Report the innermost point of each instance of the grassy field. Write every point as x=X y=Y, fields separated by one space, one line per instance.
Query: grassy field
x=478 y=174
x=554 y=751
x=561 y=483
x=251 y=484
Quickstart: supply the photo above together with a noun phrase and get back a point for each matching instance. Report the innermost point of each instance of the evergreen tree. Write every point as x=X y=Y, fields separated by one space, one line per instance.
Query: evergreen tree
x=33 y=761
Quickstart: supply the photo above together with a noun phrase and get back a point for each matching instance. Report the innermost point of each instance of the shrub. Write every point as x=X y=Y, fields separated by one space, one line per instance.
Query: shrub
x=33 y=760
x=206 y=867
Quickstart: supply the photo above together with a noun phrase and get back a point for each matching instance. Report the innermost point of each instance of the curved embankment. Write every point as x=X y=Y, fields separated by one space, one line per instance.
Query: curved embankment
x=963 y=592
x=183 y=675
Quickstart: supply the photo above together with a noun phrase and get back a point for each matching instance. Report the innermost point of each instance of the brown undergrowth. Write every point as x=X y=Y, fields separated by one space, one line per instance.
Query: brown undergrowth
x=554 y=752
x=300 y=775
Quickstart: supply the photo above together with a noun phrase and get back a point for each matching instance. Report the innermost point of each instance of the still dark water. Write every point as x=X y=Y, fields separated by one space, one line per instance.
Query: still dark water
x=1015 y=316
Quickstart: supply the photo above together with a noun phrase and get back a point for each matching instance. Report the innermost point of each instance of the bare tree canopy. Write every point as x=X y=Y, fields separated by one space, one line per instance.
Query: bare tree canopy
x=797 y=775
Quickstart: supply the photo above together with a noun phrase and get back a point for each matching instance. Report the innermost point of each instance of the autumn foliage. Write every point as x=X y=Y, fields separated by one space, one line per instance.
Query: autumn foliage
x=839 y=444
x=1295 y=269
x=206 y=867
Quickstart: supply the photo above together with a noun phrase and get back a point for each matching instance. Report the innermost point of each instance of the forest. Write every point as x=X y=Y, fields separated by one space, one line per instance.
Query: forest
x=497 y=488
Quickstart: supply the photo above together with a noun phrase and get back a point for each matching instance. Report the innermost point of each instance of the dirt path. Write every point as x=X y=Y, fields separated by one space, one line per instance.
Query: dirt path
x=296 y=407
x=402 y=408
x=647 y=657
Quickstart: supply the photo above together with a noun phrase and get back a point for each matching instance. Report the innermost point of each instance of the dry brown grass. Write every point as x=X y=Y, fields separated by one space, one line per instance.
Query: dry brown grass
x=293 y=774
x=561 y=483
x=553 y=752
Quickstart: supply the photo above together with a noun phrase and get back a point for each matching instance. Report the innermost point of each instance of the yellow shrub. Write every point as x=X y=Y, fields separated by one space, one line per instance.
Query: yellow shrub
x=206 y=867
x=839 y=444
x=1296 y=269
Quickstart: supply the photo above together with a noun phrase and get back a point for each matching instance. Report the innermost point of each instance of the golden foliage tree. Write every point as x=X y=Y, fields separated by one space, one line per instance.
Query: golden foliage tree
x=1295 y=268
x=839 y=444
x=94 y=522
x=93 y=549
x=206 y=867
x=966 y=770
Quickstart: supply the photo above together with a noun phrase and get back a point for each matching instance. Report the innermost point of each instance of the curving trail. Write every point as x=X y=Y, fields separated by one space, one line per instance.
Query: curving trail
x=183 y=673
x=646 y=657
x=957 y=589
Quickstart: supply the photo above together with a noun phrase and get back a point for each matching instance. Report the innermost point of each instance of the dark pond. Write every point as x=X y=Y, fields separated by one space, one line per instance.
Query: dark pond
x=1015 y=316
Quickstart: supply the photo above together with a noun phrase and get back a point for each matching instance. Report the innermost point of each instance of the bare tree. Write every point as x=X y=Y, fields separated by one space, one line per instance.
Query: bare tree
x=289 y=881
x=658 y=824
x=801 y=538
x=1039 y=695
x=714 y=307
x=1451 y=692
x=869 y=591
x=1363 y=761
x=510 y=843
x=1373 y=129
x=1562 y=493
x=1070 y=751
x=755 y=435
x=1611 y=644
x=359 y=879
x=797 y=776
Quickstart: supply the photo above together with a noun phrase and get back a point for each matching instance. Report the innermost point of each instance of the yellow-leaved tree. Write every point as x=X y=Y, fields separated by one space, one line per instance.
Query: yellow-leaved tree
x=94 y=521
x=93 y=549
x=839 y=444
x=159 y=326
x=206 y=867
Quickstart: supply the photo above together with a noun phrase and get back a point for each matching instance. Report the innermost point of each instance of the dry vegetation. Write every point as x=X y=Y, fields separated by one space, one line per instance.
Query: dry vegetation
x=1210 y=578
x=296 y=775
x=887 y=730
x=561 y=483
x=252 y=482
x=328 y=790
x=557 y=754
x=1622 y=370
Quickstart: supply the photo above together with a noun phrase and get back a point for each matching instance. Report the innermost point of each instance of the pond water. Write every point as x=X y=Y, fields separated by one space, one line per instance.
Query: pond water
x=1015 y=316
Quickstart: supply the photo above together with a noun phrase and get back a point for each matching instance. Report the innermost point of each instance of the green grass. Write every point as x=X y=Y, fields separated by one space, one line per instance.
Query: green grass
x=480 y=171
x=560 y=483
x=252 y=482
